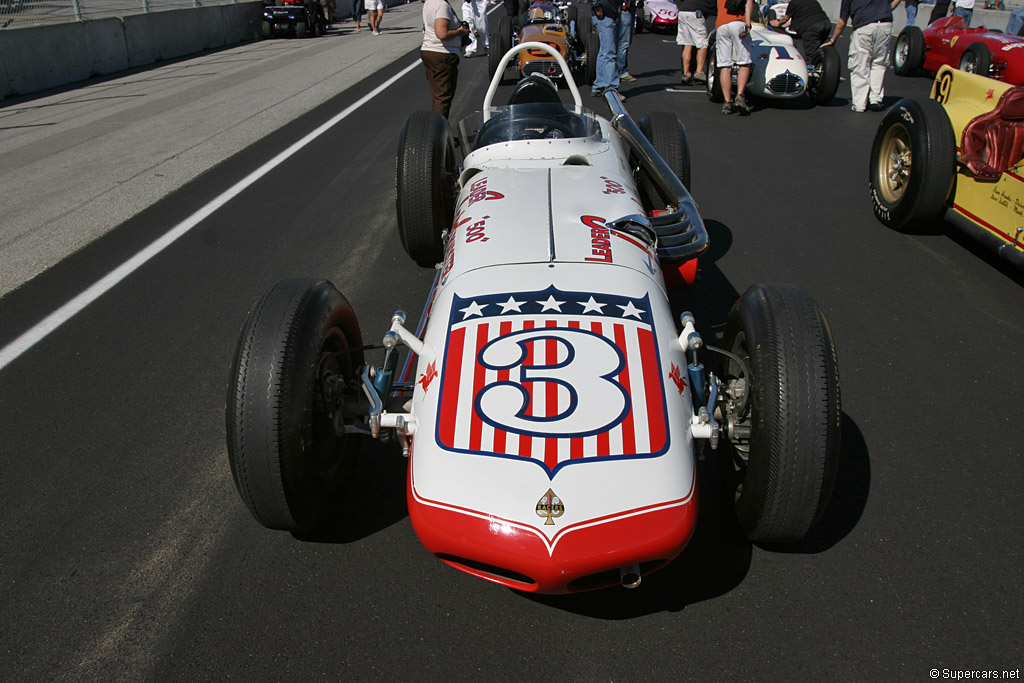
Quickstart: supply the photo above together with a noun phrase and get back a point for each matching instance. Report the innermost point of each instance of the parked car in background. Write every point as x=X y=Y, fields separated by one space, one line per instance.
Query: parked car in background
x=950 y=42
x=299 y=18
x=656 y=15
x=959 y=156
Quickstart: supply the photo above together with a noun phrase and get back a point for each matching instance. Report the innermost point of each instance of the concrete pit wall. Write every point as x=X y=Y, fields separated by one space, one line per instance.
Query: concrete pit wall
x=42 y=57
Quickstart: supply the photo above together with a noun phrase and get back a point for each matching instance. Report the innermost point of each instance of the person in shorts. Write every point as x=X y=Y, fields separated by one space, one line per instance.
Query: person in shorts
x=733 y=46
x=692 y=32
x=374 y=12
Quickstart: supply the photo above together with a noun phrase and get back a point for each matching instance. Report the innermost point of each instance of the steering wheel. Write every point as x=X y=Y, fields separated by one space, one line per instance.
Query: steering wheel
x=504 y=129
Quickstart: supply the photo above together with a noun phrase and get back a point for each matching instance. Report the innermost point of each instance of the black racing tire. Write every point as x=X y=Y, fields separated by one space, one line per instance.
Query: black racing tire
x=593 y=46
x=668 y=137
x=425 y=178
x=714 y=87
x=501 y=43
x=266 y=29
x=301 y=29
x=288 y=465
x=908 y=52
x=572 y=14
x=785 y=477
x=585 y=27
x=913 y=164
x=826 y=60
x=976 y=59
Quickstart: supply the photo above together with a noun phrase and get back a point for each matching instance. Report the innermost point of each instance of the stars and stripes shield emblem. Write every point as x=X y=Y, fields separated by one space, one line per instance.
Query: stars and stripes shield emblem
x=554 y=377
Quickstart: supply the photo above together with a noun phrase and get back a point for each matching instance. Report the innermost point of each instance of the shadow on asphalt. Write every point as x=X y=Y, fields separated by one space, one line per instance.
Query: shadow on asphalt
x=374 y=500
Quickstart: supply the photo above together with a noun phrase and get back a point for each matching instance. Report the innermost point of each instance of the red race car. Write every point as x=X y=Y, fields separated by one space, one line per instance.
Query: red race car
x=949 y=41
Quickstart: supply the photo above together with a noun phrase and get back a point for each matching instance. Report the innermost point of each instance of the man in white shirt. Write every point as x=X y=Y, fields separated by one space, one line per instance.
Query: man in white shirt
x=964 y=8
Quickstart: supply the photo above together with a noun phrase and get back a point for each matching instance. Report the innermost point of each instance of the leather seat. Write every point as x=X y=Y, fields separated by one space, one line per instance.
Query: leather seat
x=993 y=142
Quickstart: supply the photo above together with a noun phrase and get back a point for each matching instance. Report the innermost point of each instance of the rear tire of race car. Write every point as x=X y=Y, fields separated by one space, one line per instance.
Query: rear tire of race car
x=827 y=61
x=714 y=87
x=425 y=182
x=266 y=30
x=668 y=137
x=287 y=463
x=593 y=47
x=301 y=29
x=584 y=27
x=976 y=59
x=783 y=483
x=908 y=52
x=501 y=43
x=913 y=164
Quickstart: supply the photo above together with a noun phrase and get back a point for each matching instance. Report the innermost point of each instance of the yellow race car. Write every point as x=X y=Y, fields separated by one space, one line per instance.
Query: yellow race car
x=957 y=156
x=553 y=23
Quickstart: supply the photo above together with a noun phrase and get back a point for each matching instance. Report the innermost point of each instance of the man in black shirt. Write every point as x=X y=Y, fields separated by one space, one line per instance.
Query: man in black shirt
x=809 y=22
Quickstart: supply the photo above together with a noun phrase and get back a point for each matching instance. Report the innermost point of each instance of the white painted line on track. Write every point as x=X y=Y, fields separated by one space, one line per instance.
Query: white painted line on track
x=41 y=330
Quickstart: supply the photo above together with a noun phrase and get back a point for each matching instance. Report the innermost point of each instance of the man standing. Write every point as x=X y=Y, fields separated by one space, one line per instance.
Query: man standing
x=613 y=27
x=733 y=46
x=965 y=9
x=809 y=22
x=442 y=40
x=869 y=49
x=692 y=32
x=474 y=13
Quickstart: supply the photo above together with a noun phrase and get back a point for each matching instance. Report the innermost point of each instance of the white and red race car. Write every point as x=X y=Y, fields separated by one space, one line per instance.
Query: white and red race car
x=551 y=408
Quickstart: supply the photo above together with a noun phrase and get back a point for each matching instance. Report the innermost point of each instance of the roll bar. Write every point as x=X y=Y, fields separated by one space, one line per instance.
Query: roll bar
x=499 y=74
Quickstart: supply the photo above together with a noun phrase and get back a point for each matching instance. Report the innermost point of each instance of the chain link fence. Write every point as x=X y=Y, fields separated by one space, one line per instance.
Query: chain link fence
x=24 y=13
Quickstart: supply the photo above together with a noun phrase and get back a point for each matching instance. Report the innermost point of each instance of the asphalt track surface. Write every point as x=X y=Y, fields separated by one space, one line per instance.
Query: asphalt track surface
x=127 y=554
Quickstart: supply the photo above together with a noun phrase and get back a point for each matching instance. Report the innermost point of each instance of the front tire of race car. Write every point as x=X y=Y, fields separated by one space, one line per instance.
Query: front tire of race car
x=976 y=59
x=425 y=184
x=913 y=164
x=786 y=456
x=289 y=466
x=908 y=53
x=713 y=84
x=825 y=62
x=668 y=137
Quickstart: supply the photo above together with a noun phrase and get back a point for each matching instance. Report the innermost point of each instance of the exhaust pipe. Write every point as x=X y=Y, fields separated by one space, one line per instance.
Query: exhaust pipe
x=630 y=576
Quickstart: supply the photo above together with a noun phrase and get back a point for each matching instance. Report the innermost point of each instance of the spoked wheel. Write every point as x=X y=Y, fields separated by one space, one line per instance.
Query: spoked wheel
x=976 y=59
x=908 y=54
x=299 y=347
x=913 y=164
x=782 y=414
x=425 y=182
